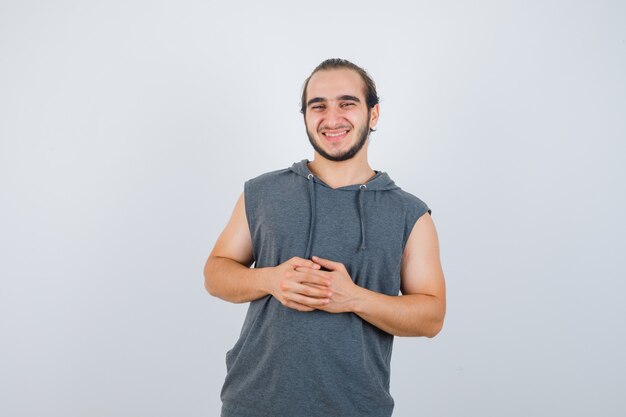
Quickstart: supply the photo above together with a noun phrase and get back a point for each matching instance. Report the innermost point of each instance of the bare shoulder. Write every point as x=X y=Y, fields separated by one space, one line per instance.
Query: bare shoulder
x=235 y=241
x=421 y=271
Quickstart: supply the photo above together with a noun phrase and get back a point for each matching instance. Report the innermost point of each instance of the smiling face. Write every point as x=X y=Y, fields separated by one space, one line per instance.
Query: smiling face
x=337 y=118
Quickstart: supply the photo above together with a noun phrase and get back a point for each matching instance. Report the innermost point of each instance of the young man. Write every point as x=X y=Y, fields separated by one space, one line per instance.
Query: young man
x=334 y=242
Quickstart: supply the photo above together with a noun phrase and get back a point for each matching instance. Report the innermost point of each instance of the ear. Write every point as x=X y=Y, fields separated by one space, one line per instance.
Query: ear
x=374 y=113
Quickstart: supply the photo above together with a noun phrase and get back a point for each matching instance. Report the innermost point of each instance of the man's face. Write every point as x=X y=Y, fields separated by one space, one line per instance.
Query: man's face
x=337 y=118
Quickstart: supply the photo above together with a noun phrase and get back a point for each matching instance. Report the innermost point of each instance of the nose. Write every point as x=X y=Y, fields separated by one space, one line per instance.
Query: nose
x=334 y=118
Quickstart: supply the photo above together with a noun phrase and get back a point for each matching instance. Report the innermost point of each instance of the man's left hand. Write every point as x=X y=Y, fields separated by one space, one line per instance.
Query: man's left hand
x=343 y=290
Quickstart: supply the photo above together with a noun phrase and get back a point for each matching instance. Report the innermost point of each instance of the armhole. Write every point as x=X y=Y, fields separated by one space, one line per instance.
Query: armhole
x=247 y=200
x=415 y=212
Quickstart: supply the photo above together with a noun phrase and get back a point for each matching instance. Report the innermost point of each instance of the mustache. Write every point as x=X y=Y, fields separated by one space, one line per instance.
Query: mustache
x=345 y=127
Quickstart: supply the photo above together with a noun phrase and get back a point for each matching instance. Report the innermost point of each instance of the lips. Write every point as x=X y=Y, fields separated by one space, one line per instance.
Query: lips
x=335 y=135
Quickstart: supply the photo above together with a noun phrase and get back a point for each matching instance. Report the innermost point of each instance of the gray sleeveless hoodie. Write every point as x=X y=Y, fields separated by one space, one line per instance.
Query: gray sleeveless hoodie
x=288 y=363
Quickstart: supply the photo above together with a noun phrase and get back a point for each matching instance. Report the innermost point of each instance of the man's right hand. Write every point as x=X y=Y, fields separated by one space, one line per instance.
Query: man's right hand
x=227 y=272
x=298 y=289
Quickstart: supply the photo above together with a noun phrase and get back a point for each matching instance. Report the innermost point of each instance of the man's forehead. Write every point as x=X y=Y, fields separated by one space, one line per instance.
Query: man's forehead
x=334 y=83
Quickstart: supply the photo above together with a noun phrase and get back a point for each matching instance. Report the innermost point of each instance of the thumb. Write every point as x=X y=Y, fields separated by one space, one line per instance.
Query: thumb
x=326 y=263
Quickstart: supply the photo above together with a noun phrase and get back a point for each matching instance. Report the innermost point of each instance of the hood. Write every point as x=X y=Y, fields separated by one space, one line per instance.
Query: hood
x=380 y=182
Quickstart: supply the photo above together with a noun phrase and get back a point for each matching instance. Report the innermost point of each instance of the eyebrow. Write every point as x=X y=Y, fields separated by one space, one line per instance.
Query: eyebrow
x=349 y=98
x=345 y=97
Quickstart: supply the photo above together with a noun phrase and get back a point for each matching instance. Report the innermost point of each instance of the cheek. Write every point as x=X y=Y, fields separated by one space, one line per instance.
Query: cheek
x=311 y=123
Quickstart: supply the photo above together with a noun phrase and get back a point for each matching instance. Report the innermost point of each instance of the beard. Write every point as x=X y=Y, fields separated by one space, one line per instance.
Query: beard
x=362 y=135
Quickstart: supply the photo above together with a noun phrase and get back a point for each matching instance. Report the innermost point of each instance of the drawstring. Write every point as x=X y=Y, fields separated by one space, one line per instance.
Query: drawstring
x=362 y=189
x=309 y=177
x=362 y=215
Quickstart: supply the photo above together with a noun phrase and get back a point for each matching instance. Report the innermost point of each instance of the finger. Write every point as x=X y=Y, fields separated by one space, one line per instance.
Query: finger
x=321 y=287
x=296 y=262
x=314 y=291
x=312 y=276
x=308 y=301
x=327 y=263
x=297 y=306
x=310 y=284
x=307 y=270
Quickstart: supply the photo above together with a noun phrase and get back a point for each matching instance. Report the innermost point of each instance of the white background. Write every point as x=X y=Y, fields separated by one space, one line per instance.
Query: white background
x=127 y=129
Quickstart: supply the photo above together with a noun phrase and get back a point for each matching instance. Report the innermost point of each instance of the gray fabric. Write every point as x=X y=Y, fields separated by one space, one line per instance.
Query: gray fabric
x=288 y=363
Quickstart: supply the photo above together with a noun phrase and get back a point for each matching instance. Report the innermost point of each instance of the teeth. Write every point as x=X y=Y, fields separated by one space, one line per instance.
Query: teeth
x=332 y=135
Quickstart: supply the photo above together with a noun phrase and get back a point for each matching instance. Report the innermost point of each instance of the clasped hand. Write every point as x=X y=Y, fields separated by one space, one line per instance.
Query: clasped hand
x=301 y=284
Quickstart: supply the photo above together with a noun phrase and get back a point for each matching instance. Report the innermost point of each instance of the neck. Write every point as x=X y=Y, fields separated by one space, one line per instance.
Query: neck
x=336 y=174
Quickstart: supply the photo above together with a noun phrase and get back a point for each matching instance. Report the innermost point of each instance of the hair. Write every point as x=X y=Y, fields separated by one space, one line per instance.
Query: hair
x=371 y=97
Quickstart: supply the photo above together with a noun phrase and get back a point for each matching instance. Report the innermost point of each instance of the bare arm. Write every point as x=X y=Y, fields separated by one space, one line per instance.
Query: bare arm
x=419 y=311
x=227 y=272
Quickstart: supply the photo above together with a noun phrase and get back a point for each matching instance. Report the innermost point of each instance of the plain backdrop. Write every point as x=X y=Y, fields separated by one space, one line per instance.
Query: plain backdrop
x=127 y=129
